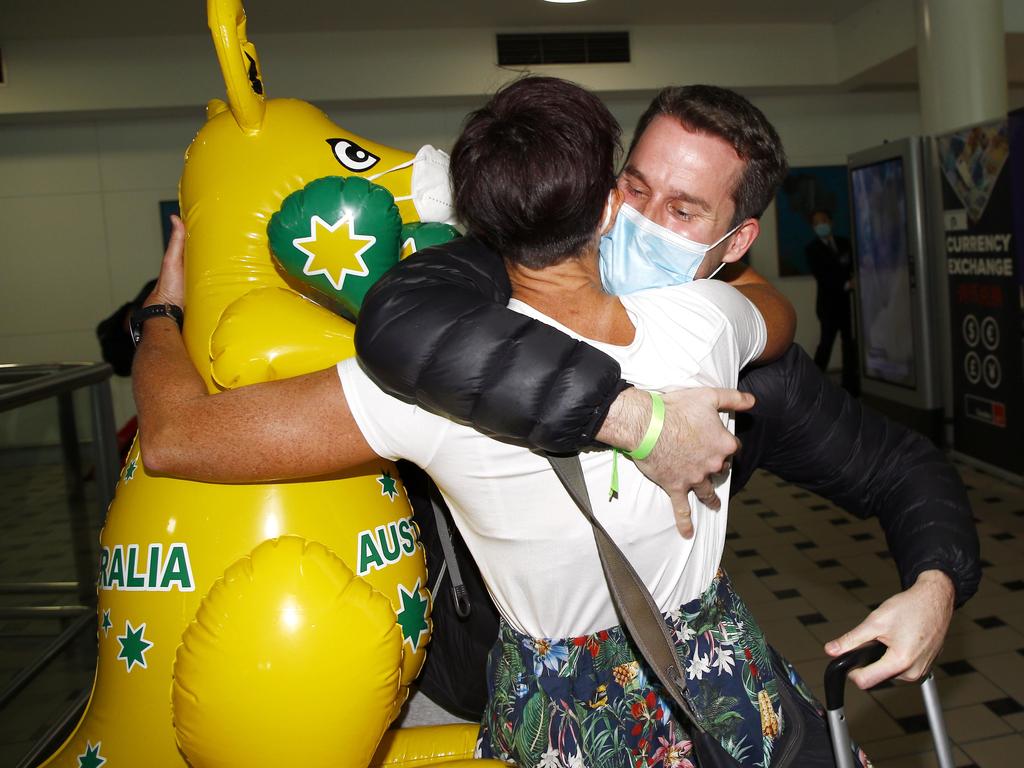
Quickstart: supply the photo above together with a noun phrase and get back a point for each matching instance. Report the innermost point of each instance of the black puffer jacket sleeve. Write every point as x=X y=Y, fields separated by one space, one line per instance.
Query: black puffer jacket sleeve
x=435 y=331
x=812 y=433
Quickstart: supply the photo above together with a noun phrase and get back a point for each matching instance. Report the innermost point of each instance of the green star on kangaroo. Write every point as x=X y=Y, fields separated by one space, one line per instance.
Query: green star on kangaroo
x=91 y=758
x=133 y=645
x=106 y=625
x=412 y=618
x=388 y=485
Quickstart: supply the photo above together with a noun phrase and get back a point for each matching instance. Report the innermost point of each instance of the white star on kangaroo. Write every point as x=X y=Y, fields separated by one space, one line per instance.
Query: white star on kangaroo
x=326 y=248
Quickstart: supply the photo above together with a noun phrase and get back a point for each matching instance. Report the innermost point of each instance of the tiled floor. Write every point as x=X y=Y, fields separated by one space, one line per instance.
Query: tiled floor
x=808 y=570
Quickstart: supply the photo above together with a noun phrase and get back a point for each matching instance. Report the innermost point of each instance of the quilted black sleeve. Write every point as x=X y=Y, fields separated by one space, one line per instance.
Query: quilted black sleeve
x=813 y=434
x=436 y=331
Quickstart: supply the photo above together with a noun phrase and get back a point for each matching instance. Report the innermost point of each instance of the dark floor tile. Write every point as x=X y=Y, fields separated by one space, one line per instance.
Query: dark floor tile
x=801 y=545
x=762 y=572
x=830 y=562
x=885 y=554
x=801 y=495
x=785 y=529
x=852 y=584
x=990 y=622
x=786 y=594
x=993 y=499
x=1004 y=707
x=914 y=723
x=864 y=536
x=767 y=515
x=984 y=563
x=954 y=668
x=809 y=619
x=819 y=507
x=732 y=536
x=1004 y=536
x=748 y=502
x=840 y=521
x=1015 y=586
x=746 y=552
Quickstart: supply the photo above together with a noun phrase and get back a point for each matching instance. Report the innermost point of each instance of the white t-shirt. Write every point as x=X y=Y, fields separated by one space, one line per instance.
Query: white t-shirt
x=535 y=549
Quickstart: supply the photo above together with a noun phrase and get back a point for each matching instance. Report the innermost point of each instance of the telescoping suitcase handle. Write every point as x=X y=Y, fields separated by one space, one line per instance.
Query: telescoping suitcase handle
x=835 y=688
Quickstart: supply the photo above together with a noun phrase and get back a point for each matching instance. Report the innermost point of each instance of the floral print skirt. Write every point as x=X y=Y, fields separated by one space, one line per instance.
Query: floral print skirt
x=592 y=702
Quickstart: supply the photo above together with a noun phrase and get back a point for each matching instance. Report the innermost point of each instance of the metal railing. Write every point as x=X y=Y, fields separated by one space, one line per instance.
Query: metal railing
x=21 y=385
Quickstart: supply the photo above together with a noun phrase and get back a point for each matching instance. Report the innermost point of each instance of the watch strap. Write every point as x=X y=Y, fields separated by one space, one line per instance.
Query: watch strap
x=142 y=314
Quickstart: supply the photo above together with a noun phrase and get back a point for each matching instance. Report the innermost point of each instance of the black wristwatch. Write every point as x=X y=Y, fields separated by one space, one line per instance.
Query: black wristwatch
x=142 y=314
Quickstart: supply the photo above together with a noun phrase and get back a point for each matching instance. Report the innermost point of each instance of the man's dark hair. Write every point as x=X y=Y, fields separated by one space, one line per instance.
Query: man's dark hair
x=532 y=170
x=727 y=115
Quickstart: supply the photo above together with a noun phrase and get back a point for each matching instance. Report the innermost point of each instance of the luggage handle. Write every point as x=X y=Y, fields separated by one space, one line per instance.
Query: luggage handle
x=835 y=687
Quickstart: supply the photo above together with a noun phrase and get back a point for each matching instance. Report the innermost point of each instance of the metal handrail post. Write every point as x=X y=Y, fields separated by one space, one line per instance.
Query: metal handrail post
x=104 y=441
x=86 y=567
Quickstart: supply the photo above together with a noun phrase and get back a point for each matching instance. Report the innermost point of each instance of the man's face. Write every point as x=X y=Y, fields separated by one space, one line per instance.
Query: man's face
x=684 y=181
x=820 y=217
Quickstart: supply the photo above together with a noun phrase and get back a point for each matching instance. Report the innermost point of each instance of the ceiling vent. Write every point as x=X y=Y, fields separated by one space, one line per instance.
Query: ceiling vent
x=563 y=48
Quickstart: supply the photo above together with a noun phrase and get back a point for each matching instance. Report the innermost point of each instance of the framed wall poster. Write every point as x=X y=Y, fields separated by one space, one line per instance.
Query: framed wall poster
x=804 y=191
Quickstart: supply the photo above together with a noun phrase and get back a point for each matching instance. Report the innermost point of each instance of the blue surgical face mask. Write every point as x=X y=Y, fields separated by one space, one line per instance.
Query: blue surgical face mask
x=823 y=230
x=638 y=254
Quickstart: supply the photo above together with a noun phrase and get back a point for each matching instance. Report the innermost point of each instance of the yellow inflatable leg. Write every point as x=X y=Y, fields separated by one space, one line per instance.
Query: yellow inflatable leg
x=291 y=660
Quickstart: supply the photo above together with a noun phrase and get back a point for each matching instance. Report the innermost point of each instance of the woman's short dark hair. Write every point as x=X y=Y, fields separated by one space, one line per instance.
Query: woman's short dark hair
x=532 y=169
x=727 y=115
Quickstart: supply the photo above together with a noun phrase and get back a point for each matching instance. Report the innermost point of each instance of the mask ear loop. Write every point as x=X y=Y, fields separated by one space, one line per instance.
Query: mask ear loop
x=721 y=240
x=398 y=167
x=717 y=270
x=607 y=218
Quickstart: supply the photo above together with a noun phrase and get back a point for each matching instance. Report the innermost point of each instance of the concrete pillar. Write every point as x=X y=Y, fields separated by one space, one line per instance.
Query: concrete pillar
x=961 y=63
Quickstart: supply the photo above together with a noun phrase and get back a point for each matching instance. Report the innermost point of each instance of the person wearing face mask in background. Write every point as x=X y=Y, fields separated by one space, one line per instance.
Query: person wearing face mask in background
x=703 y=166
x=830 y=259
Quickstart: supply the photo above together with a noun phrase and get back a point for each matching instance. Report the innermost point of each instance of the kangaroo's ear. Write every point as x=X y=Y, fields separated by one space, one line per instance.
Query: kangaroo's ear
x=238 y=62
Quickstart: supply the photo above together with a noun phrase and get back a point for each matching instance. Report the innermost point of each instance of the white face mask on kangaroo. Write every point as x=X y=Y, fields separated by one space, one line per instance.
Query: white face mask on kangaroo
x=431 y=188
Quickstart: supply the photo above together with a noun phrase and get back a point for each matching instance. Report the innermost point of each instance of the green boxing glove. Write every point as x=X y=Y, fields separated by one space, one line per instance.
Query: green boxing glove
x=337 y=236
x=416 y=237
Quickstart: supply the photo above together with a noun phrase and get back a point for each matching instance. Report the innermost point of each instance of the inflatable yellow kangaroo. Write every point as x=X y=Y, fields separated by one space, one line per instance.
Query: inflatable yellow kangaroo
x=276 y=624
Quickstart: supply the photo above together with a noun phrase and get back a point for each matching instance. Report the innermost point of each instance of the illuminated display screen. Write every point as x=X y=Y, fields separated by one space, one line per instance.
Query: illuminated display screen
x=883 y=277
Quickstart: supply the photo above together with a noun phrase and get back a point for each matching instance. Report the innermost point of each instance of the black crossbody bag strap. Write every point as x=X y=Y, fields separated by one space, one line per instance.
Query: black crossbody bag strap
x=641 y=616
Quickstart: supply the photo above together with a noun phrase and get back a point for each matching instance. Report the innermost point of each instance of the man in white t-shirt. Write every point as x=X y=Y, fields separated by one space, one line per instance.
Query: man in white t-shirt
x=533 y=175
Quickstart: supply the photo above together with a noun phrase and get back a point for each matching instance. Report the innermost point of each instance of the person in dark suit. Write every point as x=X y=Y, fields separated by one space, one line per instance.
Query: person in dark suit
x=830 y=259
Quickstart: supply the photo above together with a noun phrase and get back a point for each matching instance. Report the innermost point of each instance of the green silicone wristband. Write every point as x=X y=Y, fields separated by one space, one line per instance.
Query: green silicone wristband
x=643 y=450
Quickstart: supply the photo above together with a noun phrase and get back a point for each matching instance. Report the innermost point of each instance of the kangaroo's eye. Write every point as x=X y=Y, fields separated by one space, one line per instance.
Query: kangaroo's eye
x=352 y=156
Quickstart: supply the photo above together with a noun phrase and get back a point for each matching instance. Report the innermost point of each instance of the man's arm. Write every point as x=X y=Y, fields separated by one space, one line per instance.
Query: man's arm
x=813 y=434
x=778 y=312
x=297 y=427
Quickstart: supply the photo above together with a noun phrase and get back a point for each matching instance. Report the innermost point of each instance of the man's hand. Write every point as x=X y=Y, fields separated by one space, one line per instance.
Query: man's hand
x=694 y=444
x=913 y=625
x=170 y=285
